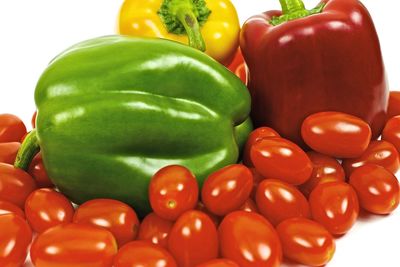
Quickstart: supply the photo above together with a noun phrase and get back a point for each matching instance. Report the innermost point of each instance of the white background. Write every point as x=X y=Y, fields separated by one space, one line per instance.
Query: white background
x=32 y=32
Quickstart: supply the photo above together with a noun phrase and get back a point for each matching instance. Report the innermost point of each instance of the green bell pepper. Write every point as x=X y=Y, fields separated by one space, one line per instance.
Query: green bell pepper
x=114 y=110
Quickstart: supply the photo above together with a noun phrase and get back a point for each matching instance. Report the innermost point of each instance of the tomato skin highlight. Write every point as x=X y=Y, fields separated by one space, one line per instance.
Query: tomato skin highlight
x=227 y=189
x=335 y=206
x=8 y=152
x=377 y=189
x=15 y=237
x=193 y=239
x=241 y=236
x=12 y=129
x=306 y=241
x=155 y=230
x=8 y=207
x=278 y=201
x=219 y=263
x=336 y=134
x=391 y=132
x=141 y=253
x=38 y=172
x=272 y=156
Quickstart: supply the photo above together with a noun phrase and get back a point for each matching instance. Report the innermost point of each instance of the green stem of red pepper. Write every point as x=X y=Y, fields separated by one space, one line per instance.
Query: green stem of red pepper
x=295 y=9
x=29 y=148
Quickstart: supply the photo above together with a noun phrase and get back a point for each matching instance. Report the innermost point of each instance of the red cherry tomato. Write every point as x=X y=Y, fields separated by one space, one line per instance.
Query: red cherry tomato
x=326 y=169
x=273 y=156
x=257 y=179
x=278 y=201
x=249 y=206
x=8 y=207
x=216 y=219
x=15 y=185
x=11 y=128
x=256 y=135
x=306 y=242
x=8 y=152
x=335 y=206
x=140 y=254
x=172 y=191
x=193 y=239
x=38 y=172
x=15 y=237
x=238 y=66
x=155 y=229
x=115 y=216
x=249 y=239
x=33 y=120
x=227 y=189
x=391 y=132
x=394 y=104
x=336 y=134
x=219 y=263
x=377 y=188
x=74 y=245
x=45 y=208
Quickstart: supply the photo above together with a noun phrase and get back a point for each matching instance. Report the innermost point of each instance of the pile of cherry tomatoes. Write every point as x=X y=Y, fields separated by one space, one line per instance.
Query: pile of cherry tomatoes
x=281 y=202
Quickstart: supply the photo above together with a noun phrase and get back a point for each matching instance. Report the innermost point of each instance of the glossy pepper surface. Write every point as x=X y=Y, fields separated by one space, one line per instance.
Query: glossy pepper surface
x=306 y=61
x=110 y=116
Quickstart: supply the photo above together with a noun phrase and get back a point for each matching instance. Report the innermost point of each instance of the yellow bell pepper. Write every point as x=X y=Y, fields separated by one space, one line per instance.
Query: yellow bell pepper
x=208 y=25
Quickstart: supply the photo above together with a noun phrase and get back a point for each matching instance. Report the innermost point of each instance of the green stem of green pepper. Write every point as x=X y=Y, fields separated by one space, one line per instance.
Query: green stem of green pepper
x=295 y=9
x=29 y=148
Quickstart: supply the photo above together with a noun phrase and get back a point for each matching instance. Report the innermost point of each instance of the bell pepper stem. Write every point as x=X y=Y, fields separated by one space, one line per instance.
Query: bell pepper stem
x=29 y=148
x=290 y=6
x=295 y=9
x=192 y=27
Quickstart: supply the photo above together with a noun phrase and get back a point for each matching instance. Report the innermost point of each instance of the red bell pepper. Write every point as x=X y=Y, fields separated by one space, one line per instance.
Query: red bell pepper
x=306 y=61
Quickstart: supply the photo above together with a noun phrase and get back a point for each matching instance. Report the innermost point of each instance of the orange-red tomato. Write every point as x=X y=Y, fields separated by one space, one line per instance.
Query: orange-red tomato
x=219 y=263
x=306 y=242
x=216 y=219
x=155 y=229
x=391 y=132
x=143 y=254
x=249 y=239
x=8 y=152
x=257 y=179
x=38 y=172
x=256 y=135
x=278 y=201
x=394 y=104
x=33 y=120
x=336 y=134
x=335 y=206
x=227 y=189
x=193 y=239
x=45 y=208
x=15 y=237
x=377 y=188
x=15 y=185
x=12 y=129
x=8 y=207
x=281 y=159
x=74 y=245
x=172 y=191
x=238 y=67
x=325 y=169
x=249 y=206
x=115 y=216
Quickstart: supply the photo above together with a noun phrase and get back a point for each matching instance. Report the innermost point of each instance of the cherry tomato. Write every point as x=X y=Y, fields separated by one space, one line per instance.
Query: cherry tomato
x=33 y=120
x=377 y=188
x=278 y=201
x=45 y=208
x=306 y=242
x=216 y=219
x=15 y=185
x=326 y=169
x=140 y=254
x=8 y=207
x=273 y=156
x=335 y=206
x=11 y=128
x=336 y=134
x=155 y=229
x=15 y=237
x=238 y=67
x=219 y=263
x=257 y=179
x=227 y=189
x=391 y=132
x=115 y=216
x=74 y=245
x=8 y=152
x=256 y=135
x=172 y=191
x=38 y=172
x=394 y=104
x=249 y=239
x=193 y=239
x=249 y=206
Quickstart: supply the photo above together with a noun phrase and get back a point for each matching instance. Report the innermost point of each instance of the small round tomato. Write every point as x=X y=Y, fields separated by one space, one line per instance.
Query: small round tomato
x=8 y=152
x=306 y=242
x=15 y=185
x=11 y=128
x=33 y=120
x=172 y=191
x=8 y=207
x=45 y=208
x=115 y=216
x=15 y=237
x=326 y=169
x=238 y=67
x=249 y=206
x=74 y=245
x=281 y=159
x=391 y=132
x=394 y=104
x=335 y=206
x=38 y=172
x=336 y=134
x=377 y=188
x=381 y=153
x=219 y=263
x=201 y=207
x=227 y=189
x=140 y=254
x=256 y=135
x=155 y=229
x=278 y=201
x=193 y=239
x=249 y=239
